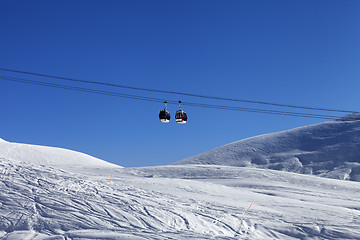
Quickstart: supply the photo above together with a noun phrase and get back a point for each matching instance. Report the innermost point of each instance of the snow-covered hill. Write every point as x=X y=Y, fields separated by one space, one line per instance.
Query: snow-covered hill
x=51 y=194
x=50 y=156
x=330 y=149
x=174 y=202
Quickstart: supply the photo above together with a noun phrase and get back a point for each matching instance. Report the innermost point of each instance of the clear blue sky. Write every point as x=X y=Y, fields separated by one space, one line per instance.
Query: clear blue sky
x=293 y=52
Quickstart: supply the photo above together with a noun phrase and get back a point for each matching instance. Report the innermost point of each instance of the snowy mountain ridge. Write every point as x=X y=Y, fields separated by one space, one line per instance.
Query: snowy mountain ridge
x=330 y=149
x=50 y=156
x=50 y=193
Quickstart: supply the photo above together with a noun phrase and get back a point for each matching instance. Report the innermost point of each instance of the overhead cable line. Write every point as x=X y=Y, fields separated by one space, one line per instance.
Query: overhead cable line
x=81 y=89
x=179 y=93
x=151 y=99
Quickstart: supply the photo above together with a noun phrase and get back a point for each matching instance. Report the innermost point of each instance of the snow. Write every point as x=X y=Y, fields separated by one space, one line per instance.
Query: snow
x=175 y=202
x=50 y=156
x=52 y=193
x=330 y=149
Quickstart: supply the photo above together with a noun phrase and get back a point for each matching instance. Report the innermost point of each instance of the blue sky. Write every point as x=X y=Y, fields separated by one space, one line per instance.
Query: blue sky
x=292 y=52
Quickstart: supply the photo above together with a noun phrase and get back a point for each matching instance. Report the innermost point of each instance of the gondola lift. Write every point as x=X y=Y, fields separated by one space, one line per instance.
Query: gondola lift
x=180 y=116
x=164 y=115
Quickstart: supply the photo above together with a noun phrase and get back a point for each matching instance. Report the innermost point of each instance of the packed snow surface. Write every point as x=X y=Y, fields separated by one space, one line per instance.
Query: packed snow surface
x=174 y=202
x=330 y=149
x=50 y=156
x=52 y=193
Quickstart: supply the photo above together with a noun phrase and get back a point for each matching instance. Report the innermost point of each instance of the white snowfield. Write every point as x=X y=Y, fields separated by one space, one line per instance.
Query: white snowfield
x=330 y=149
x=50 y=156
x=175 y=202
x=43 y=197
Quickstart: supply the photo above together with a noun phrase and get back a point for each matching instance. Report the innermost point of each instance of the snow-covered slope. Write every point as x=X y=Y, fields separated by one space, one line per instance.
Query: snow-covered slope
x=174 y=202
x=49 y=156
x=330 y=149
x=40 y=200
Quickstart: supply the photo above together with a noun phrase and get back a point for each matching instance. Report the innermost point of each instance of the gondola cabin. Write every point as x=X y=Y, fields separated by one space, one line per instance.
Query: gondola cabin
x=181 y=116
x=164 y=116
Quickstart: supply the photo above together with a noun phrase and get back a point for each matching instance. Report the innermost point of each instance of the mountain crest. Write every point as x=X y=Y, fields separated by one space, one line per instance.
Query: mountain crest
x=50 y=156
x=349 y=117
x=330 y=149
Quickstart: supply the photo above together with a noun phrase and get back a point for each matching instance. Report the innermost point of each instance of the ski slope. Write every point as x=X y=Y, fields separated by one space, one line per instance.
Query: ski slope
x=53 y=193
x=174 y=202
x=330 y=149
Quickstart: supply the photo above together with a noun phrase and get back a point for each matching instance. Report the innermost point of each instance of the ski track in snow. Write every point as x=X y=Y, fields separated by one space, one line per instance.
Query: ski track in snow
x=174 y=202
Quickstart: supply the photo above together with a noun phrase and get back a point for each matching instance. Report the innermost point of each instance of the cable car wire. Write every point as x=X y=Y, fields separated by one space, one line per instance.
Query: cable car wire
x=151 y=99
x=81 y=89
x=179 y=93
